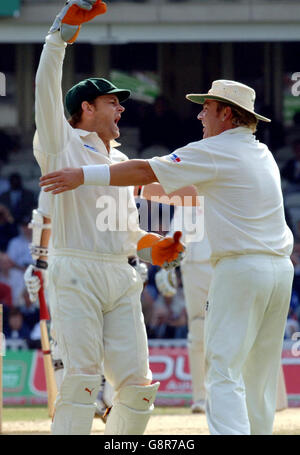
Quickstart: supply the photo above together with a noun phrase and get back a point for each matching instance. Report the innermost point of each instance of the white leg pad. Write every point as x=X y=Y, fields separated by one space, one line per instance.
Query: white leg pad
x=75 y=404
x=131 y=410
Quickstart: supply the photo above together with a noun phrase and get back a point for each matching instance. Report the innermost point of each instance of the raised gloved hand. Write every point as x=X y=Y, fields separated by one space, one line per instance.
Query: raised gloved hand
x=166 y=282
x=73 y=14
x=32 y=281
x=167 y=252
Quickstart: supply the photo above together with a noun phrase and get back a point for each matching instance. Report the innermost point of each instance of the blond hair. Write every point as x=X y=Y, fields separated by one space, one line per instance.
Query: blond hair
x=240 y=117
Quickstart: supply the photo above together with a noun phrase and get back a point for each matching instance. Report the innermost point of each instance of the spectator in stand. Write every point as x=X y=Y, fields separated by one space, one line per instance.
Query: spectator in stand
x=17 y=333
x=18 y=248
x=159 y=125
x=29 y=310
x=292 y=325
x=295 y=258
x=6 y=301
x=8 y=228
x=148 y=301
x=291 y=170
x=12 y=277
x=169 y=319
x=5 y=295
x=4 y=183
x=18 y=200
x=31 y=317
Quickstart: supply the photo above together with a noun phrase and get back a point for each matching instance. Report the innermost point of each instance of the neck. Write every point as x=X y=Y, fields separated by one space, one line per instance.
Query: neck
x=88 y=127
x=106 y=143
x=229 y=126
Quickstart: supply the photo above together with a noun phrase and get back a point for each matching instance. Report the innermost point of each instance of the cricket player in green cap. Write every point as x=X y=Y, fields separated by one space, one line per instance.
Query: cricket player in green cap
x=94 y=293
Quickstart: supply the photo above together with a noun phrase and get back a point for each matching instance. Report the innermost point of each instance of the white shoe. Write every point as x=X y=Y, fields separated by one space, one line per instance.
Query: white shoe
x=198 y=407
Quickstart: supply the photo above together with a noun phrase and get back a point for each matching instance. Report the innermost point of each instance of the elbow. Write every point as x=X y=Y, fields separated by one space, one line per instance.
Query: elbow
x=148 y=174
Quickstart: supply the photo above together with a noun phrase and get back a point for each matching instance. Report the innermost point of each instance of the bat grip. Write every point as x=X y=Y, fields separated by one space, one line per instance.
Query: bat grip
x=44 y=314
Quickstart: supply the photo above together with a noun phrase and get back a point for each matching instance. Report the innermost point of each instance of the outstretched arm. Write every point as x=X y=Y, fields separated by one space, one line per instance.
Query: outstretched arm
x=127 y=173
x=52 y=126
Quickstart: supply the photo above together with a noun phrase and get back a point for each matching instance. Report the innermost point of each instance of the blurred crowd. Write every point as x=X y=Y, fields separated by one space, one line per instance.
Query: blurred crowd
x=160 y=132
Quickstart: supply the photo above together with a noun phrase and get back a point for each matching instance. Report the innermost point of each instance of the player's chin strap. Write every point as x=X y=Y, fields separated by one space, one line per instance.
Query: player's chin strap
x=37 y=225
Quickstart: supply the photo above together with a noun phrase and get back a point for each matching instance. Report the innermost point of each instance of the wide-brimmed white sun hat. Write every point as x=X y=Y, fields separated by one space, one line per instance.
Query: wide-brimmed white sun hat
x=231 y=92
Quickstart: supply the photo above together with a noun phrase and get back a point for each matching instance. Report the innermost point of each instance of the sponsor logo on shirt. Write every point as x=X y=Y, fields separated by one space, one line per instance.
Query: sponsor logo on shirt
x=175 y=158
x=90 y=147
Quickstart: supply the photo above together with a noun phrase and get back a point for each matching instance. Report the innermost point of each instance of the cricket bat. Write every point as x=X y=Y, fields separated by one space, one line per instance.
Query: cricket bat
x=48 y=367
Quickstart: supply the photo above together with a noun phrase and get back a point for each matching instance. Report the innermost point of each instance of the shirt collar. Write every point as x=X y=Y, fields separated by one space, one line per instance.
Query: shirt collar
x=84 y=133
x=238 y=130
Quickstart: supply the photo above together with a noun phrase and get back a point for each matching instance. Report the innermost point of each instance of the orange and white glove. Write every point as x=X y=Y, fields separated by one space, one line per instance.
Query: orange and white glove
x=73 y=14
x=167 y=252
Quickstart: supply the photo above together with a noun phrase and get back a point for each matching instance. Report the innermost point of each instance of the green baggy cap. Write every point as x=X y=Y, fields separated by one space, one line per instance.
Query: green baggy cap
x=89 y=89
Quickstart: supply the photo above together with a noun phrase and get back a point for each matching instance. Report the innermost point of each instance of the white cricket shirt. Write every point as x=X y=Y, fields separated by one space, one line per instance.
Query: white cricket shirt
x=96 y=219
x=240 y=181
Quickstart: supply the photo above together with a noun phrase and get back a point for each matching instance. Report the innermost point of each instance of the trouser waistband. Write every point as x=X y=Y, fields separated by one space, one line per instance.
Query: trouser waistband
x=90 y=255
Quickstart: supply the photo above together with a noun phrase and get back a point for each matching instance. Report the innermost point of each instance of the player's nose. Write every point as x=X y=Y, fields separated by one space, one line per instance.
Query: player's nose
x=200 y=115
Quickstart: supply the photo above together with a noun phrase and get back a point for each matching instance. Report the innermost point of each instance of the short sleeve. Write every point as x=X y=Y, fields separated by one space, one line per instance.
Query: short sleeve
x=189 y=165
x=45 y=204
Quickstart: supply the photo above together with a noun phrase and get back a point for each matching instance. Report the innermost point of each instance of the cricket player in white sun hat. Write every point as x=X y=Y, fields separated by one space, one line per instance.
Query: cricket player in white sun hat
x=94 y=293
x=250 y=244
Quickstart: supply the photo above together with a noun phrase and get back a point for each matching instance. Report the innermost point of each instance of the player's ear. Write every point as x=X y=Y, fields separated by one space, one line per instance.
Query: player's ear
x=87 y=107
x=227 y=113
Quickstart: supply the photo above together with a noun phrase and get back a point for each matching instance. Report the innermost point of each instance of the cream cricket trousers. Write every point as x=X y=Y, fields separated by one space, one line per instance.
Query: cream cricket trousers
x=97 y=317
x=248 y=299
x=196 y=279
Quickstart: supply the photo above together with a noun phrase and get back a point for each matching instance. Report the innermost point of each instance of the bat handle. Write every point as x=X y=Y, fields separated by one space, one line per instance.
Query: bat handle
x=44 y=314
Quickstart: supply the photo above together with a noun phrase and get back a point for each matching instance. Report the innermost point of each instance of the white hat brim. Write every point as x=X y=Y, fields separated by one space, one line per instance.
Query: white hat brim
x=200 y=98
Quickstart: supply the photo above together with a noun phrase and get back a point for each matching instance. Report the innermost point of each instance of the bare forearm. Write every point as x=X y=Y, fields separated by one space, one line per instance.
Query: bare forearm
x=46 y=234
x=133 y=172
x=187 y=196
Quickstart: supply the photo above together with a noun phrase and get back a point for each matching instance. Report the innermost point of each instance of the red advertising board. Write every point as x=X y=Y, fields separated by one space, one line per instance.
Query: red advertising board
x=24 y=378
x=170 y=366
x=291 y=369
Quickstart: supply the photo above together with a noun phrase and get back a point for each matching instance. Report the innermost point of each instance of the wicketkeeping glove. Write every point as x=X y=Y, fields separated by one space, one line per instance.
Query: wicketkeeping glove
x=167 y=252
x=166 y=282
x=32 y=282
x=73 y=14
